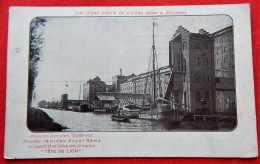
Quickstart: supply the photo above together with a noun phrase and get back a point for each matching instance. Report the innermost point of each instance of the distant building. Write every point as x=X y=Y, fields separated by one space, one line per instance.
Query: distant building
x=65 y=102
x=117 y=99
x=91 y=88
x=110 y=88
x=117 y=79
x=142 y=83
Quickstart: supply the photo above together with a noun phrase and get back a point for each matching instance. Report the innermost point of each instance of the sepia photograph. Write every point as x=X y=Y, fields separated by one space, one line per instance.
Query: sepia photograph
x=131 y=74
x=130 y=82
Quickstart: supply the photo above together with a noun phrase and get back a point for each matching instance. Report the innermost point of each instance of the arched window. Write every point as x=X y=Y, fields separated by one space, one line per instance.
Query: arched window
x=184 y=64
x=225 y=49
x=197 y=45
x=217 y=51
x=184 y=46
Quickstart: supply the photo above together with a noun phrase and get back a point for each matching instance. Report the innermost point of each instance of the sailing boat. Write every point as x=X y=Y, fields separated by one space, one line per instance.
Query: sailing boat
x=163 y=108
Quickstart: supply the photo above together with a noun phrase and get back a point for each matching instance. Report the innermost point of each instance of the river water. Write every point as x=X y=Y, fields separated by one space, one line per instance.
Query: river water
x=78 y=121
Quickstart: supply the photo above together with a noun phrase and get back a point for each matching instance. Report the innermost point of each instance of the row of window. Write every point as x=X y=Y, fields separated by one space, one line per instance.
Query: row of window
x=225 y=50
x=196 y=45
x=226 y=101
x=222 y=38
x=141 y=89
x=202 y=78
x=225 y=60
x=201 y=61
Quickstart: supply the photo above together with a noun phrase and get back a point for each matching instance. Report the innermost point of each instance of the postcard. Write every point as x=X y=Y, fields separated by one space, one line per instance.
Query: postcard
x=169 y=81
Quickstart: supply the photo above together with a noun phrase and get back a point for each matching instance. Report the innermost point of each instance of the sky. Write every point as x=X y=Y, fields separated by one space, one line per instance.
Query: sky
x=77 y=49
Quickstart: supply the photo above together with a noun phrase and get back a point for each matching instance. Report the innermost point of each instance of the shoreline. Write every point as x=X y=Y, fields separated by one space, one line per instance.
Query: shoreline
x=39 y=121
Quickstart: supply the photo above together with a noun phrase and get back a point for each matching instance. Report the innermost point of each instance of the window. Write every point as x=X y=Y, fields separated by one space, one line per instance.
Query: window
x=184 y=64
x=179 y=62
x=198 y=96
x=197 y=45
x=184 y=46
x=197 y=78
x=218 y=60
x=206 y=78
x=207 y=96
x=197 y=61
x=225 y=59
x=184 y=78
x=225 y=49
x=185 y=99
x=206 y=62
x=217 y=51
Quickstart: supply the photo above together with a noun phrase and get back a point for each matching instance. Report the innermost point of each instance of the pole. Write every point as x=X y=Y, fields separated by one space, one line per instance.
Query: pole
x=154 y=77
x=79 y=91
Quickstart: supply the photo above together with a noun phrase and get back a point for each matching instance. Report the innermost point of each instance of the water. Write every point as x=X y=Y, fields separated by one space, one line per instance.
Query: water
x=77 y=121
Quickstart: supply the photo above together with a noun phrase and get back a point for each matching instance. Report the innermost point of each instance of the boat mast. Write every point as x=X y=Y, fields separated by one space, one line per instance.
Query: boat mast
x=79 y=91
x=154 y=77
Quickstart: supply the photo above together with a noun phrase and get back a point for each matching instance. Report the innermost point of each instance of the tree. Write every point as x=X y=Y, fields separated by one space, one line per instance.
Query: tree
x=36 y=43
x=42 y=104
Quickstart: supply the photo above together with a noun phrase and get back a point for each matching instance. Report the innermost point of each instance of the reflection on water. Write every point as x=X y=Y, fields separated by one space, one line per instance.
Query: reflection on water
x=77 y=121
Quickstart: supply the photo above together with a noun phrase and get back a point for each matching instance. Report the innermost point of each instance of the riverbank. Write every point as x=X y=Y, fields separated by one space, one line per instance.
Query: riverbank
x=39 y=121
x=89 y=121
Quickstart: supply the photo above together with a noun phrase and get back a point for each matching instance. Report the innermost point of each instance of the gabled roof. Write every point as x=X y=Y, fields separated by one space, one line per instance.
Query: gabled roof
x=106 y=98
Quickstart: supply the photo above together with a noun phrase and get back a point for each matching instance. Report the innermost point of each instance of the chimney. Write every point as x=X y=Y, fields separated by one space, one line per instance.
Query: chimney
x=120 y=72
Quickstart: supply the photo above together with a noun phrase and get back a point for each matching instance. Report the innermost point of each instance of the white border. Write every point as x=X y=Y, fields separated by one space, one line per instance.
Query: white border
x=242 y=142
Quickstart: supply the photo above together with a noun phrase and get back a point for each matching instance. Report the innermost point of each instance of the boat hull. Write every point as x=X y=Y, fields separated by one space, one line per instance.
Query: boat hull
x=132 y=114
x=99 y=111
x=164 y=113
x=120 y=119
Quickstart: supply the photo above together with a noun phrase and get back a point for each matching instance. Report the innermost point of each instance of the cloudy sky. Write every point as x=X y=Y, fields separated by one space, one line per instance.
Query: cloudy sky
x=77 y=49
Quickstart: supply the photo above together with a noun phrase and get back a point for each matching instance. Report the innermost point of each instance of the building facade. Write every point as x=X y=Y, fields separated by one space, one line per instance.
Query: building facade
x=224 y=71
x=142 y=83
x=119 y=99
x=203 y=68
x=65 y=102
x=110 y=88
x=117 y=80
x=91 y=88
x=200 y=74
x=191 y=58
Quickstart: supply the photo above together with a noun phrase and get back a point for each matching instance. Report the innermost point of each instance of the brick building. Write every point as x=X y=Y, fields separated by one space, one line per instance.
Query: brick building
x=117 y=79
x=200 y=74
x=203 y=68
x=91 y=88
x=110 y=88
x=224 y=70
x=142 y=83
x=191 y=59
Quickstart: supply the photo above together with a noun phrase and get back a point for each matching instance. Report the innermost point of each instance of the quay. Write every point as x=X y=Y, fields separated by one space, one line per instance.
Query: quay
x=217 y=118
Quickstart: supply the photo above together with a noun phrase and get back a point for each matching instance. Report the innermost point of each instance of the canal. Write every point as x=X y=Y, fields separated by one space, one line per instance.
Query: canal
x=78 y=121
